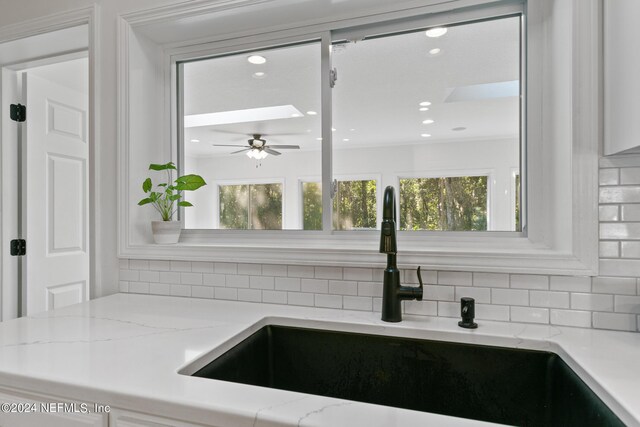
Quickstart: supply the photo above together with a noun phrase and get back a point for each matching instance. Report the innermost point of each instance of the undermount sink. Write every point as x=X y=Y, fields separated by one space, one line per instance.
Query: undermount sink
x=495 y=384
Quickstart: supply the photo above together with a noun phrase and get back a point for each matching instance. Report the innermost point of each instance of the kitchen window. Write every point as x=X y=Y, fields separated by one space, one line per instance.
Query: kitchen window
x=250 y=206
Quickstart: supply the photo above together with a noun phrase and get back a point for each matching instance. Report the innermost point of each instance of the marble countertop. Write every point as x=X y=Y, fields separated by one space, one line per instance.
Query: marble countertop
x=126 y=350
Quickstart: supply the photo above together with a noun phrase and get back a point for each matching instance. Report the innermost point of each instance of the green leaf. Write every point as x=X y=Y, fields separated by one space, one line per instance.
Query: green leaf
x=157 y=167
x=146 y=185
x=174 y=197
x=145 y=201
x=154 y=196
x=189 y=182
x=164 y=184
x=185 y=204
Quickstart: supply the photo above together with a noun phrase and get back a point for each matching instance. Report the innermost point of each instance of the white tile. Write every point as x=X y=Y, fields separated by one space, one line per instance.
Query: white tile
x=334 y=273
x=457 y=278
x=491 y=280
x=274 y=270
x=629 y=176
x=226 y=293
x=191 y=278
x=170 y=277
x=571 y=283
x=627 y=304
x=630 y=212
x=159 y=288
x=202 y=267
x=616 y=321
x=329 y=301
x=138 y=264
x=481 y=295
x=316 y=286
x=609 y=250
x=620 y=231
x=619 y=267
x=370 y=289
x=614 y=285
x=377 y=305
x=630 y=249
x=181 y=290
x=529 y=315
x=287 y=284
x=421 y=308
x=609 y=177
x=594 y=302
x=139 y=287
x=436 y=292
x=149 y=276
x=492 y=312
x=510 y=296
x=358 y=274
x=300 y=271
x=619 y=194
x=225 y=268
x=448 y=309
x=608 y=213
x=580 y=319
x=250 y=269
x=234 y=281
x=429 y=277
x=261 y=282
x=299 y=298
x=274 y=297
x=180 y=266
x=160 y=265
x=129 y=275
x=357 y=303
x=549 y=299
x=214 y=279
x=202 y=292
x=123 y=264
x=343 y=287
x=123 y=286
x=529 y=281
x=250 y=295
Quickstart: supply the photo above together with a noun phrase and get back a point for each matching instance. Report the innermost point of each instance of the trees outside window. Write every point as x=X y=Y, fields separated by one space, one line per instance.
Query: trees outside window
x=354 y=205
x=251 y=206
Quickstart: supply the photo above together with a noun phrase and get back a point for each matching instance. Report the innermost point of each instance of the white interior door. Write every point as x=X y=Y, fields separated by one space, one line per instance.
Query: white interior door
x=55 y=183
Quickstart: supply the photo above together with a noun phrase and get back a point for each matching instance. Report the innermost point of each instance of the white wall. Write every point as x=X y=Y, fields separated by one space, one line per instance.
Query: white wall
x=496 y=158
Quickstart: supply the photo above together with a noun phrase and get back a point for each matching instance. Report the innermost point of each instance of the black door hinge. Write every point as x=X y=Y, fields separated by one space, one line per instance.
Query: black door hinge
x=18 y=112
x=18 y=247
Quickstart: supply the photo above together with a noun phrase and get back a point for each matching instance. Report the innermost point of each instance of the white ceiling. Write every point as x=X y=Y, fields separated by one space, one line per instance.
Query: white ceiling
x=380 y=85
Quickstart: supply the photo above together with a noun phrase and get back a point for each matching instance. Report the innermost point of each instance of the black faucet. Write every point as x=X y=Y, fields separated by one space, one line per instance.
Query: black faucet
x=392 y=292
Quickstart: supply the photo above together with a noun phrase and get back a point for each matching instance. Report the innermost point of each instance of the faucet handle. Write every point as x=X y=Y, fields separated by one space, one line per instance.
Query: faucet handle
x=421 y=287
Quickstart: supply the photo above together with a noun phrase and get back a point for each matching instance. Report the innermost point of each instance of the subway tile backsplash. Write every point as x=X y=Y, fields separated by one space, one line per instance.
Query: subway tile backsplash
x=610 y=301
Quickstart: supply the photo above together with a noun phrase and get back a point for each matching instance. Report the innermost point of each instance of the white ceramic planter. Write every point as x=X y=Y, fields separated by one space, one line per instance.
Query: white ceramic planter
x=166 y=232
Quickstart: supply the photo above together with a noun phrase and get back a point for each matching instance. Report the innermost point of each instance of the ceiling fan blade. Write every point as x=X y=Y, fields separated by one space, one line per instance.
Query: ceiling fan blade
x=281 y=134
x=229 y=145
x=241 y=151
x=270 y=151
x=292 y=147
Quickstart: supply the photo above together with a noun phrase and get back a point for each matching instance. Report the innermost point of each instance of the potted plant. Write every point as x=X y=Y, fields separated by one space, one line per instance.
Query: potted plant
x=166 y=199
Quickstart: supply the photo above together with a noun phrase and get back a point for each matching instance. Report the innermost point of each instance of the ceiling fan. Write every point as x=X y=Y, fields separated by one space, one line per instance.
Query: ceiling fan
x=258 y=148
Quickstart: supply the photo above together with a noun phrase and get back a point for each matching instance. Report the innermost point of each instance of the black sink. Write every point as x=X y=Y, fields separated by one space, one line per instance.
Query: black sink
x=495 y=384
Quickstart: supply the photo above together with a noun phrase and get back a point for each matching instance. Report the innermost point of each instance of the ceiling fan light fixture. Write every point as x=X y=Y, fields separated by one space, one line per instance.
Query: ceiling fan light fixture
x=257 y=154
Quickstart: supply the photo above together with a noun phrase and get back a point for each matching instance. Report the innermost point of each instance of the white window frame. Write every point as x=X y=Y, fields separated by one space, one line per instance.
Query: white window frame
x=560 y=166
x=256 y=181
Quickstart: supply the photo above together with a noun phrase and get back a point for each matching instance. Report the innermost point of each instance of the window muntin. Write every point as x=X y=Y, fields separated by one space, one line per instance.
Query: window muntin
x=250 y=206
x=377 y=141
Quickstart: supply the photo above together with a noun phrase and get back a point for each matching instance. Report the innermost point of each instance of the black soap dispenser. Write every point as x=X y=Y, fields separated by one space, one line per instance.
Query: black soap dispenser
x=468 y=312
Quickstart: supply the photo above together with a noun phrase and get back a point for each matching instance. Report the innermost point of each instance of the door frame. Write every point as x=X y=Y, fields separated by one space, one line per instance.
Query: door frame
x=60 y=21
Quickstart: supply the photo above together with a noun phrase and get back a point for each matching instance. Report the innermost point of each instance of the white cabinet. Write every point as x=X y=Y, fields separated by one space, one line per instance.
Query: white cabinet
x=621 y=77
x=121 y=418
x=26 y=410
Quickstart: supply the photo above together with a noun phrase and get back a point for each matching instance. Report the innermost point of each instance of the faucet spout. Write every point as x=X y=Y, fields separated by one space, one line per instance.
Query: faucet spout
x=393 y=293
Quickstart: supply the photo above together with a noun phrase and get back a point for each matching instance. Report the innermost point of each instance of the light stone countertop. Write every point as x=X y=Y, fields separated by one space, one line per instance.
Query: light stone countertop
x=126 y=350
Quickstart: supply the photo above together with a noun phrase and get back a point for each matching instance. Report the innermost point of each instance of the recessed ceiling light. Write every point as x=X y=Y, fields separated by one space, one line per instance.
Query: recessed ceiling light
x=424 y=108
x=434 y=51
x=425 y=103
x=333 y=129
x=436 y=32
x=296 y=115
x=311 y=113
x=459 y=128
x=257 y=59
x=346 y=139
x=259 y=75
x=427 y=122
x=425 y=135
x=318 y=139
x=195 y=140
